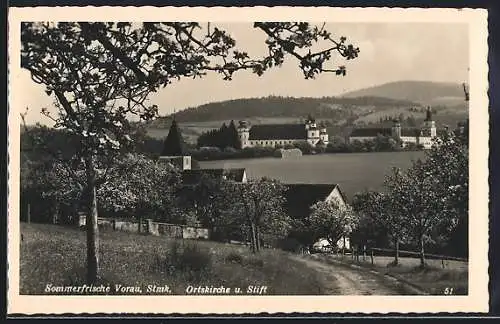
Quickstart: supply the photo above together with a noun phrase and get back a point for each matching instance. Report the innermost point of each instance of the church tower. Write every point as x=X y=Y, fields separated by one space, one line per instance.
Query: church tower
x=323 y=135
x=312 y=130
x=174 y=150
x=244 y=134
x=396 y=129
x=430 y=124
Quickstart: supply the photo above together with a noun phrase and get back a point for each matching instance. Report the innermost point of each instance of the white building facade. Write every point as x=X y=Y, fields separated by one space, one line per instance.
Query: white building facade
x=272 y=135
x=423 y=135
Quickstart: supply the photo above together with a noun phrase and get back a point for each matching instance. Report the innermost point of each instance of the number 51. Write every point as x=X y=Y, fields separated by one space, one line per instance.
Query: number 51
x=448 y=291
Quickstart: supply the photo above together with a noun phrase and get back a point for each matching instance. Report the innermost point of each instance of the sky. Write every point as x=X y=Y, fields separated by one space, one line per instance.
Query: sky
x=388 y=52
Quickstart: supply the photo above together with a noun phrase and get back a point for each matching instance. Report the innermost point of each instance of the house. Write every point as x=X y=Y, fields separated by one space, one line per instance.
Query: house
x=271 y=135
x=301 y=197
x=423 y=135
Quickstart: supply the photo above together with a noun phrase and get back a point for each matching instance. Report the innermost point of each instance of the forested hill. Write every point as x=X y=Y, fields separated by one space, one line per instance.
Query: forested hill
x=274 y=106
x=423 y=92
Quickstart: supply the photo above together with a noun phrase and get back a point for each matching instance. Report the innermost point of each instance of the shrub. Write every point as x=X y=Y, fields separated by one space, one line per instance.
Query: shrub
x=234 y=257
x=185 y=259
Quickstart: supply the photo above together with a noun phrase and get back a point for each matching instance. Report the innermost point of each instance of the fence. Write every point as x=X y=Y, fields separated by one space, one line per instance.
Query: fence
x=385 y=256
x=150 y=227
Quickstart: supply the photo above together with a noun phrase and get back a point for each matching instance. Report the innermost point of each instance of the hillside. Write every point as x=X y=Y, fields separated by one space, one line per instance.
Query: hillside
x=274 y=106
x=422 y=92
x=366 y=107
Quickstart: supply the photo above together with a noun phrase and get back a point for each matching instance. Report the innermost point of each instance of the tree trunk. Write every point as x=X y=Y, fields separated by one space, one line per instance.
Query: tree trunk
x=422 y=253
x=253 y=238
x=257 y=238
x=396 y=256
x=55 y=215
x=92 y=228
x=28 y=213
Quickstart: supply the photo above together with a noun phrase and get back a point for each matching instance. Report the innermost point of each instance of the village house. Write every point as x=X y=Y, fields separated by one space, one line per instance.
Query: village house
x=422 y=136
x=301 y=197
x=270 y=135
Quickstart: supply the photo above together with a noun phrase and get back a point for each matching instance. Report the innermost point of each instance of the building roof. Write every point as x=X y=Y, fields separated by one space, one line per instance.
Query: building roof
x=278 y=131
x=300 y=197
x=371 y=132
x=410 y=132
x=193 y=177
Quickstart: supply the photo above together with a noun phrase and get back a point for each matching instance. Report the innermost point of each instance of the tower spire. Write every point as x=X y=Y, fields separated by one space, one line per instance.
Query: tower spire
x=428 y=114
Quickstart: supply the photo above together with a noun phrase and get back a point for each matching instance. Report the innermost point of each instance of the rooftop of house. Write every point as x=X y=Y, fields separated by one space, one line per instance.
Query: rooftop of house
x=278 y=131
x=300 y=197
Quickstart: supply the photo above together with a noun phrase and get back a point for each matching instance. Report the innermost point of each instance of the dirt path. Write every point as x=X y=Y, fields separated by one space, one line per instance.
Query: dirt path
x=343 y=280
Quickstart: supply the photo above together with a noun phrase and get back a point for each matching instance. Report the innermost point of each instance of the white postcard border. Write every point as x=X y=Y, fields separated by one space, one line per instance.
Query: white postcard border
x=476 y=301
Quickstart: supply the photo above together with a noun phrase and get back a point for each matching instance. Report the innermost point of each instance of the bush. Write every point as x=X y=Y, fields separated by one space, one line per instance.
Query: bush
x=186 y=259
x=234 y=257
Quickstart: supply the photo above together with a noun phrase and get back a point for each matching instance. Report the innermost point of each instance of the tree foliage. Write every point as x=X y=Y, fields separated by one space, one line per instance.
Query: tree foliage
x=426 y=205
x=174 y=144
x=261 y=203
x=331 y=221
x=224 y=137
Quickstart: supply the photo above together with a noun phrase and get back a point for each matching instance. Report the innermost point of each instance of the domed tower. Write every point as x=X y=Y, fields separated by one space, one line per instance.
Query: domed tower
x=323 y=135
x=244 y=133
x=429 y=124
x=312 y=130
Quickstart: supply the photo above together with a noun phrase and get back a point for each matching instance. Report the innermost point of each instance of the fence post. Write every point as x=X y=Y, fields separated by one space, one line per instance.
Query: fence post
x=442 y=263
x=364 y=253
x=150 y=226
x=371 y=255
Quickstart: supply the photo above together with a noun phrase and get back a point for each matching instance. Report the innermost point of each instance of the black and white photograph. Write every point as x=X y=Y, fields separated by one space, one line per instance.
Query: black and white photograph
x=334 y=157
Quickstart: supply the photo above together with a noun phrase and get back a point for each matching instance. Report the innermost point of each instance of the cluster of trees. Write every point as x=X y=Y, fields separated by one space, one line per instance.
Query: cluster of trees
x=424 y=206
x=139 y=187
x=226 y=136
x=135 y=187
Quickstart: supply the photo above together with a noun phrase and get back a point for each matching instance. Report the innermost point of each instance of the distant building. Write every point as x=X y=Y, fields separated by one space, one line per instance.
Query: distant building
x=174 y=149
x=417 y=135
x=271 y=135
x=301 y=197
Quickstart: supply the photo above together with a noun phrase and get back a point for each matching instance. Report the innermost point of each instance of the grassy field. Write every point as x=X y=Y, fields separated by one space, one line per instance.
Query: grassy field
x=352 y=171
x=433 y=279
x=56 y=255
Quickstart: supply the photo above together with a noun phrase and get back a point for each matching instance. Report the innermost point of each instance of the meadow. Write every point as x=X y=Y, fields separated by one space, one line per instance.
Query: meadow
x=353 y=172
x=52 y=254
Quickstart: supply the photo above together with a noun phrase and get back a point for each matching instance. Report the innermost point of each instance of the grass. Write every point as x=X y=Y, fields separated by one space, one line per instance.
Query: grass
x=352 y=171
x=432 y=279
x=56 y=255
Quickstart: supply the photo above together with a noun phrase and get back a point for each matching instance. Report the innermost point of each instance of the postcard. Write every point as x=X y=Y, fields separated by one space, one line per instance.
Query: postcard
x=221 y=160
